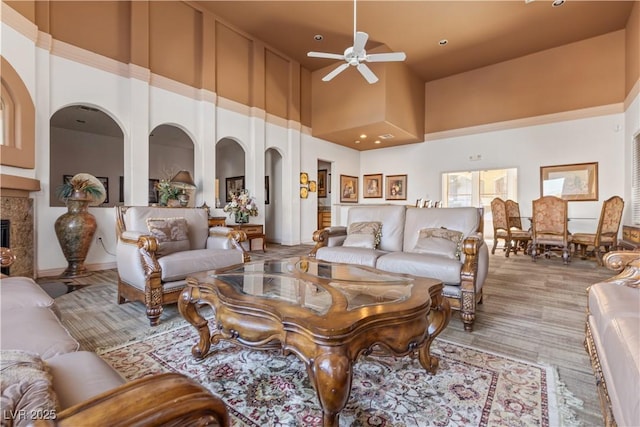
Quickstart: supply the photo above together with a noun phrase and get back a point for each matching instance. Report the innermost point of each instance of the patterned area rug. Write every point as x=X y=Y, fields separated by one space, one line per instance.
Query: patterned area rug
x=265 y=388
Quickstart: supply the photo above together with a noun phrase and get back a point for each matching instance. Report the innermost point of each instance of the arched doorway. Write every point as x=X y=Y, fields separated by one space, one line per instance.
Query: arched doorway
x=170 y=151
x=85 y=139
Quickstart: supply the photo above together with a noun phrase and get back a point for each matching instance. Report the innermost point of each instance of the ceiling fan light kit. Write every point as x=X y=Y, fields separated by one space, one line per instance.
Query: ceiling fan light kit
x=356 y=56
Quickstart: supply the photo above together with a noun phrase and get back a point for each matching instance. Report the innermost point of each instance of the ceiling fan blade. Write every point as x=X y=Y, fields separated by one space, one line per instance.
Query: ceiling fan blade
x=359 y=42
x=325 y=55
x=386 y=57
x=367 y=73
x=340 y=68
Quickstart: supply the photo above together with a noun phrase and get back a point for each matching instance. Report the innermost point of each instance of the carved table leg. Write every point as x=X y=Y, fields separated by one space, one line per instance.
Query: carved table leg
x=331 y=375
x=439 y=317
x=187 y=307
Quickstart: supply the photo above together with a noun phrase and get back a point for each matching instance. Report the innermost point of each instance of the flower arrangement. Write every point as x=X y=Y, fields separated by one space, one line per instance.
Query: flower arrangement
x=166 y=191
x=81 y=186
x=242 y=206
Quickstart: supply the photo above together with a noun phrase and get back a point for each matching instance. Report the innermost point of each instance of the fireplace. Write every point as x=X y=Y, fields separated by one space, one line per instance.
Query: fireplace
x=5 y=240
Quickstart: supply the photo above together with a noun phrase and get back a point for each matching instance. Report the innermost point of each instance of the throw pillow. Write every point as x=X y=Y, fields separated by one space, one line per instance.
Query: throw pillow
x=26 y=389
x=439 y=241
x=171 y=233
x=370 y=228
x=360 y=241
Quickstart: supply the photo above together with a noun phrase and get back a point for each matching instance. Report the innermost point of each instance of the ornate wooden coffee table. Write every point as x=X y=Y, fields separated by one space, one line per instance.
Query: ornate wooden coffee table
x=326 y=314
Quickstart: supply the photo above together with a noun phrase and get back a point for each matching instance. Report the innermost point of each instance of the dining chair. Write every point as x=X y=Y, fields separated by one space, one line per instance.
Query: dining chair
x=501 y=230
x=515 y=223
x=549 y=228
x=606 y=235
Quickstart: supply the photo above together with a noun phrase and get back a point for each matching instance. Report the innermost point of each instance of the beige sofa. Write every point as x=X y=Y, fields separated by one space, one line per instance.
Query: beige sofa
x=410 y=243
x=46 y=377
x=159 y=247
x=613 y=339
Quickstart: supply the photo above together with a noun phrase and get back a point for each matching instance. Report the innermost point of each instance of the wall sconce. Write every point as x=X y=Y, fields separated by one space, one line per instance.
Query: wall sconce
x=183 y=181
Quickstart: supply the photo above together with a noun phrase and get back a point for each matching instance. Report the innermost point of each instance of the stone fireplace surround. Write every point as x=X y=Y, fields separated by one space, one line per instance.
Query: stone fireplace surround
x=16 y=205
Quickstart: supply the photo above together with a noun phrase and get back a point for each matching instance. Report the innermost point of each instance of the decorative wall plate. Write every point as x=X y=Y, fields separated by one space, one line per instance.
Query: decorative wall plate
x=304 y=193
x=304 y=178
x=312 y=186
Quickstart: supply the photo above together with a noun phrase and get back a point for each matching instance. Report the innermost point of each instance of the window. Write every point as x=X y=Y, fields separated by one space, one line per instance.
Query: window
x=478 y=188
x=635 y=182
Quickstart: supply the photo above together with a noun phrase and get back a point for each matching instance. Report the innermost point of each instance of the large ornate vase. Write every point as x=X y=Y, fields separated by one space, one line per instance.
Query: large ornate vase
x=242 y=217
x=75 y=230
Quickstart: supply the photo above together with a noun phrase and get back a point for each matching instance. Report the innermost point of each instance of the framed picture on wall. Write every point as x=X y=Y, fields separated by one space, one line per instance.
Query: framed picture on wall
x=233 y=186
x=322 y=183
x=153 y=191
x=372 y=186
x=396 y=187
x=348 y=189
x=576 y=182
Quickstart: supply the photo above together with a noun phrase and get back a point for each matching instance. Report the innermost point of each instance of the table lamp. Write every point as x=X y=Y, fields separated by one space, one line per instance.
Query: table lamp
x=183 y=181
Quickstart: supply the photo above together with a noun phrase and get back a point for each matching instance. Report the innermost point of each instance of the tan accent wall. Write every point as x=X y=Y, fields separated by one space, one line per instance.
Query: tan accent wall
x=632 y=53
x=305 y=97
x=21 y=151
x=404 y=99
x=102 y=27
x=233 y=52
x=24 y=8
x=175 y=37
x=277 y=80
x=140 y=33
x=571 y=77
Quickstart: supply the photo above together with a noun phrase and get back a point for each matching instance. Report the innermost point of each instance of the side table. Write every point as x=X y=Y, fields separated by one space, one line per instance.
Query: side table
x=253 y=232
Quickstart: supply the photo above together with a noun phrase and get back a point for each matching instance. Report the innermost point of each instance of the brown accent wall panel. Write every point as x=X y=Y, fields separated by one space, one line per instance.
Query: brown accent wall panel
x=175 y=35
x=24 y=8
x=102 y=27
x=208 y=52
x=277 y=81
x=632 y=71
x=580 y=75
x=233 y=59
x=305 y=97
x=140 y=33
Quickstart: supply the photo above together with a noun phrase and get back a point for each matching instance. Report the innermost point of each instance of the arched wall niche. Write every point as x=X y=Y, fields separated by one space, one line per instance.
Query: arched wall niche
x=171 y=150
x=85 y=138
x=230 y=168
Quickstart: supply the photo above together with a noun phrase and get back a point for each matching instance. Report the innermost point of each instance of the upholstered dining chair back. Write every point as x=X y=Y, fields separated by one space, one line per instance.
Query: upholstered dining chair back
x=606 y=235
x=514 y=238
x=549 y=226
x=513 y=214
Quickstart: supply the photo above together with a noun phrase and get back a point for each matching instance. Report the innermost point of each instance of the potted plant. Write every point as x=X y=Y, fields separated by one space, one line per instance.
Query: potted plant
x=76 y=227
x=167 y=193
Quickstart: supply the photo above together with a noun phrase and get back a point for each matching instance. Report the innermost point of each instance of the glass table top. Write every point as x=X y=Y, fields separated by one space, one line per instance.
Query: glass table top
x=316 y=285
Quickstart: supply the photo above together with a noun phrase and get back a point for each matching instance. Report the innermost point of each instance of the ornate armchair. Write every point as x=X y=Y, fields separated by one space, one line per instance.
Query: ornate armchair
x=606 y=235
x=503 y=228
x=159 y=247
x=549 y=227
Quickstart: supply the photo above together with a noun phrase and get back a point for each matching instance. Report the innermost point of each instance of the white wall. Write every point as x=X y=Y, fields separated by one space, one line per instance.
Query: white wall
x=595 y=139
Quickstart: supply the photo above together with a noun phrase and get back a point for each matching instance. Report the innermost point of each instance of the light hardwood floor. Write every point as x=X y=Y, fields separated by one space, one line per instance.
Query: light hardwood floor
x=531 y=311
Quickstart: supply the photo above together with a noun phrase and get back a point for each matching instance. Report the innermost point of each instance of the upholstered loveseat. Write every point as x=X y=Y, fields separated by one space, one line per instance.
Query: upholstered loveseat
x=44 y=375
x=613 y=339
x=159 y=247
x=442 y=243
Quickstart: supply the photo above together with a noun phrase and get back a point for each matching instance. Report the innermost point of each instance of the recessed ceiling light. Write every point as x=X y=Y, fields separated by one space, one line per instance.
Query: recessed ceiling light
x=318 y=37
x=377 y=141
x=363 y=136
x=357 y=142
x=443 y=42
x=557 y=3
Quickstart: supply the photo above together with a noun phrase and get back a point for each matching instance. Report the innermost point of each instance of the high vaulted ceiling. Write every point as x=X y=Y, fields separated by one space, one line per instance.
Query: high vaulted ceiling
x=479 y=33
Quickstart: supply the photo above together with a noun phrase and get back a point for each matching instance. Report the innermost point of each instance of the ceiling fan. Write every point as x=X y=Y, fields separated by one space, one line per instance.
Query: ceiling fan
x=356 y=56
